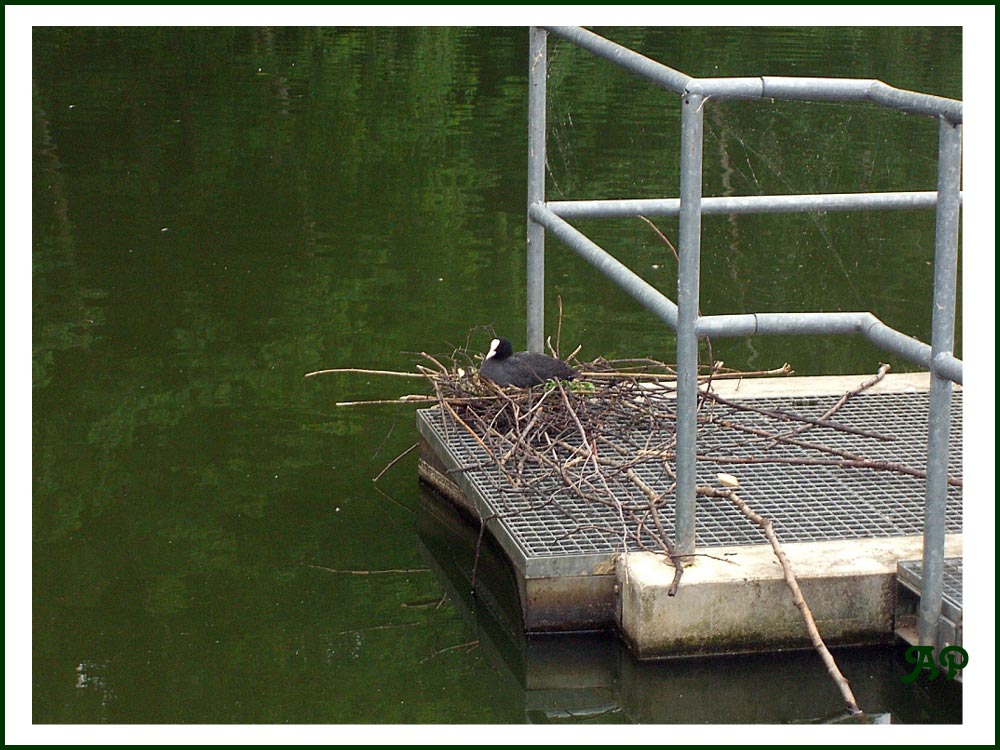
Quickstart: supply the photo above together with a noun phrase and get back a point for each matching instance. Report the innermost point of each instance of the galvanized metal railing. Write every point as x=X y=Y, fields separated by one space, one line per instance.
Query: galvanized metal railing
x=691 y=205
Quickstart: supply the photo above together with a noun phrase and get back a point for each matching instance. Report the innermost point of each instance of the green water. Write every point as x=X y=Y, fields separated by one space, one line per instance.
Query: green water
x=216 y=212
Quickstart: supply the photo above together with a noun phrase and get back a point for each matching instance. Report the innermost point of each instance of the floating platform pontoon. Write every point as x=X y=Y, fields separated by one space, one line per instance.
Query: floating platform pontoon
x=845 y=530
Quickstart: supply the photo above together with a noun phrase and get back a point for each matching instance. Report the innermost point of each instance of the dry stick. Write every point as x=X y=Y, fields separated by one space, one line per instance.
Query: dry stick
x=431 y=375
x=789 y=417
x=402 y=400
x=441 y=367
x=442 y=403
x=793 y=584
x=416 y=398
x=468 y=429
x=396 y=571
x=374 y=628
x=519 y=436
x=362 y=371
x=393 y=500
x=653 y=499
x=394 y=461
x=535 y=413
x=864 y=463
x=785 y=369
x=614 y=503
x=662 y=237
x=784 y=438
x=385 y=440
x=583 y=455
x=592 y=449
x=883 y=368
x=559 y=326
x=849 y=460
x=468 y=645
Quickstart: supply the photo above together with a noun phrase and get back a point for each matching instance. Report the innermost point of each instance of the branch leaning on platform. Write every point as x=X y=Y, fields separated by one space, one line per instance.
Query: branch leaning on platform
x=799 y=600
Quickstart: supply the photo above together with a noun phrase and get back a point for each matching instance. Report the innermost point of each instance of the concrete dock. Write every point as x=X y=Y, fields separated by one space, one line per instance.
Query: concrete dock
x=845 y=531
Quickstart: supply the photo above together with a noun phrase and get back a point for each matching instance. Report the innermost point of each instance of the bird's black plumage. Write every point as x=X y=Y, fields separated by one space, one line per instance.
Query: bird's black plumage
x=522 y=369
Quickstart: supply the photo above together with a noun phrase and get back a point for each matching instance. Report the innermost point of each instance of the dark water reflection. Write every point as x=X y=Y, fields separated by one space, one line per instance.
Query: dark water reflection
x=218 y=211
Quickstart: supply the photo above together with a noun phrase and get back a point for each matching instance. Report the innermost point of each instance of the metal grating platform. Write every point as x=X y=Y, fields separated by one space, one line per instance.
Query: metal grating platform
x=911 y=574
x=565 y=535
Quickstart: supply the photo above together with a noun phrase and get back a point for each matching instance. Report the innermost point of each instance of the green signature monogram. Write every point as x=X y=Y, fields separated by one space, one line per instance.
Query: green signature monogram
x=952 y=660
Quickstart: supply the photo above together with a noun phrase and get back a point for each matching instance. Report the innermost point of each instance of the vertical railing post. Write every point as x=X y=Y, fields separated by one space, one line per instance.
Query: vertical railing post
x=537 y=71
x=942 y=342
x=689 y=244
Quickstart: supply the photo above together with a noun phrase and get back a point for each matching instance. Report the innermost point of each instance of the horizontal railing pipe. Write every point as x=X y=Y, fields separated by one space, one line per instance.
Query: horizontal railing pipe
x=725 y=326
x=798 y=88
x=783 y=324
x=751 y=87
x=860 y=89
x=813 y=323
x=638 y=288
x=915 y=103
x=746 y=204
x=792 y=88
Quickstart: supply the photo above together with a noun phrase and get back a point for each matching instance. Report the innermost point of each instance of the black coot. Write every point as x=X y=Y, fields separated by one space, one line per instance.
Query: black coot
x=523 y=369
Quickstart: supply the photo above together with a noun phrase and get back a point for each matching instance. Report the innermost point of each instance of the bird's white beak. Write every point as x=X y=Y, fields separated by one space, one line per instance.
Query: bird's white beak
x=494 y=345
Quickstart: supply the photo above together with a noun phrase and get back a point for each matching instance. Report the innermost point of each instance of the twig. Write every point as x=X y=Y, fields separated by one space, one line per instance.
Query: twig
x=388 y=571
x=653 y=498
x=783 y=438
x=394 y=461
x=385 y=439
x=662 y=237
x=374 y=628
x=393 y=373
x=790 y=417
x=412 y=398
x=845 y=463
x=586 y=374
x=793 y=584
x=468 y=646
x=556 y=351
x=873 y=380
x=441 y=367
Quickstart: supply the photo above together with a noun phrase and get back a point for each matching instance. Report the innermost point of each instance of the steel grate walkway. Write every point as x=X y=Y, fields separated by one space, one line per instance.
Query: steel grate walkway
x=557 y=533
x=911 y=573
